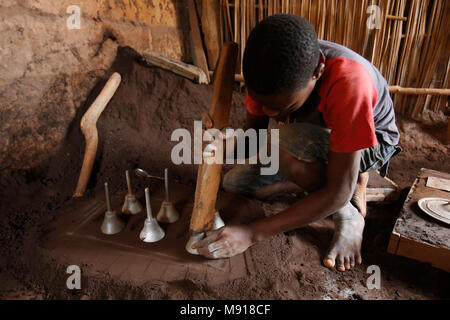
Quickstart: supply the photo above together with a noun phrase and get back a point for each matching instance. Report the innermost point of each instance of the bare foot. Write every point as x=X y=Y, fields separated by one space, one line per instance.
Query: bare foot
x=359 y=195
x=345 y=248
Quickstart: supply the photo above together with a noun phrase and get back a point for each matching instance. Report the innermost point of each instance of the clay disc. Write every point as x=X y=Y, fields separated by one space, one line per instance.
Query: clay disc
x=438 y=208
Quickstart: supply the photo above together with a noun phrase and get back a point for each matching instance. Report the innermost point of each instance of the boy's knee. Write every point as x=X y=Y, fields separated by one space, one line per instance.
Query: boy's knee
x=228 y=184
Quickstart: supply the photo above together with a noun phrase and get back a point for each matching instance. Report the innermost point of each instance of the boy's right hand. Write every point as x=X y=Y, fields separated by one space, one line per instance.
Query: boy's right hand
x=214 y=150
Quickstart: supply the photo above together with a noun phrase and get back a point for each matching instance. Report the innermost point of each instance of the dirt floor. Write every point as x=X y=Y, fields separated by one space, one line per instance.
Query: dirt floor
x=135 y=131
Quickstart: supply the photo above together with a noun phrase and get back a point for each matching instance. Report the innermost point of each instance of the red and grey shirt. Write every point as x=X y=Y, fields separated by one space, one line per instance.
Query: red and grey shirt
x=354 y=101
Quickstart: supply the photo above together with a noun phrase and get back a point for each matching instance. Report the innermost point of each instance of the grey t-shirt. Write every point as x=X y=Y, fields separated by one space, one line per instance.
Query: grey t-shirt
x=351 y=62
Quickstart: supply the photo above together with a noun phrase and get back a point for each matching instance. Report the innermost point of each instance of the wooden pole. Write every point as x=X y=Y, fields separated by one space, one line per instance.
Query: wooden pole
x=392 y=89
x=211 y=30
x=418 y=91
x=198 y=54
x=208 y=177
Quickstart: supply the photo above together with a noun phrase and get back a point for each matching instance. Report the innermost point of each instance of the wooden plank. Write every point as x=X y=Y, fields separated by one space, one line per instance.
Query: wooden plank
x=183 y=69
x=198 y=54
x=381 y=189
x=438 y=183
x=393 y=243
x=381 y=194
x=438 y=257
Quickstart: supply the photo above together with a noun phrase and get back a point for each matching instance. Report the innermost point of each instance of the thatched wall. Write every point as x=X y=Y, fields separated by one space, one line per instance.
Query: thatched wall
x=411 y=46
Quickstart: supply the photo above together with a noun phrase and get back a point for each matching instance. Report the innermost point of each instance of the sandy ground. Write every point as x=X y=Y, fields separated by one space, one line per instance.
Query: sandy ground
x=134 y=130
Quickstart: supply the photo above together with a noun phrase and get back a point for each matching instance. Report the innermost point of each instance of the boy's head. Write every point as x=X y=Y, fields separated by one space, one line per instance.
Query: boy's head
x=281 y=58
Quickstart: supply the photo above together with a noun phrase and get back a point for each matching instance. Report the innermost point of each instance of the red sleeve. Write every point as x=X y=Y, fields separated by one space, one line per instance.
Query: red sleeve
x=253 y=107
x=349 y=105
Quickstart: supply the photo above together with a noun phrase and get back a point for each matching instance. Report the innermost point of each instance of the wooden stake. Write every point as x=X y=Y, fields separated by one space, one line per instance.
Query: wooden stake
x=208 y=177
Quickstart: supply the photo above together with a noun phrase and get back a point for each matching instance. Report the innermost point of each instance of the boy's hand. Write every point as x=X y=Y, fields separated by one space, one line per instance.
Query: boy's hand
x=225 y=242
x=218 y=145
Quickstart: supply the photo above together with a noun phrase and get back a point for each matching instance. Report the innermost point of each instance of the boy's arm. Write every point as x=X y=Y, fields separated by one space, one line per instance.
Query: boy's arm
x=342 y=173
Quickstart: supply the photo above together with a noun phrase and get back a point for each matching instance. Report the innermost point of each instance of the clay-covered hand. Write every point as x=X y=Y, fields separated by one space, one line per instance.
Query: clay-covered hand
x=217 y=148
x=225 y=242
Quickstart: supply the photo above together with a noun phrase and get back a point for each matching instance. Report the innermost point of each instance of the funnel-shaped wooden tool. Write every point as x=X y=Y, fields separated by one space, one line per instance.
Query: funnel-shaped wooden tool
x=131 y=204
x=89 y=128
x=208 y=177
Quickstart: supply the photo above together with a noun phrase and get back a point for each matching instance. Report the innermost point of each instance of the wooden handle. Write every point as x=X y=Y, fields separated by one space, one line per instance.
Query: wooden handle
x=208 y=176
x=89 y=129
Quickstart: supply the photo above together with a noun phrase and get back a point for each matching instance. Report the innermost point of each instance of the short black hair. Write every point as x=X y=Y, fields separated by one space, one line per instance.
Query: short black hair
x=281 y=54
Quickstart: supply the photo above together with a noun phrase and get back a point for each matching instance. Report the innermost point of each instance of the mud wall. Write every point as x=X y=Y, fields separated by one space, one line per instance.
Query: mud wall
x=48 y=67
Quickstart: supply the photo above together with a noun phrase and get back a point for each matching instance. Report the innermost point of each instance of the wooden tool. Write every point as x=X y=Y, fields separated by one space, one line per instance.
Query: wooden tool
x=89 y=128
x=208 y=177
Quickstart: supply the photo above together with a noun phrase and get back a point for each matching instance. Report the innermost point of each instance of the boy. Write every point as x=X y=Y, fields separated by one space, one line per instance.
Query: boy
x=336 y=122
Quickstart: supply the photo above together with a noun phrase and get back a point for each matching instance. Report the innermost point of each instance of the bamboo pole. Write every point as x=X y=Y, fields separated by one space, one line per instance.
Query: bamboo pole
x=392 y=89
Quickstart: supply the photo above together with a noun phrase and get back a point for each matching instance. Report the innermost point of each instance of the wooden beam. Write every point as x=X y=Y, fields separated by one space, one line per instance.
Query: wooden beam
x=419 y=91
x=198 y=54
x=389 y=17
x=392 y=89
x=208 y=177
x=211 y=30
x=183 y=69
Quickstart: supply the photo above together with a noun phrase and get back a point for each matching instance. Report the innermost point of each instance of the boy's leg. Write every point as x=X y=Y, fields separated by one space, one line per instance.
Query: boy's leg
x=247 y=179
x=375 y=158
x=303 y=156
x=344 y=250
x=308 y=142
x=359 y=195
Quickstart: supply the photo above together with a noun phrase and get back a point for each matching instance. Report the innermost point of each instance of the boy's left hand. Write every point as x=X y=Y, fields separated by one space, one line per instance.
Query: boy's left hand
x=225 y=242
